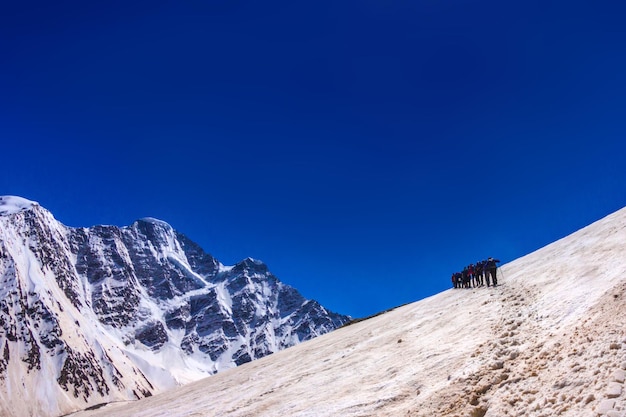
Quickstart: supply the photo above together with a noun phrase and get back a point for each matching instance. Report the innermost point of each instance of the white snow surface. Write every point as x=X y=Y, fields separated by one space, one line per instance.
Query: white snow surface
x=550 y=340
x=10 y=204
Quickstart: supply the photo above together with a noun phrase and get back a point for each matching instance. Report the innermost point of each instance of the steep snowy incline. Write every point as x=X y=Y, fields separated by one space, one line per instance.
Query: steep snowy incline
x=549 y=341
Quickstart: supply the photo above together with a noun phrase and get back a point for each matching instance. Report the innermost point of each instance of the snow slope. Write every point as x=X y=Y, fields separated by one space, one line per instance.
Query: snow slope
x=549 y=341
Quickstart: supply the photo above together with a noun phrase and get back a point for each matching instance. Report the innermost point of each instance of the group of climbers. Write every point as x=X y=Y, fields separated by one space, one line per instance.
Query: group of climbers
x=475 y=275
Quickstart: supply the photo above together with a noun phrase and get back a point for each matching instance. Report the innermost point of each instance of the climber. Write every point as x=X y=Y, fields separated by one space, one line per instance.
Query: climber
x=491 y=269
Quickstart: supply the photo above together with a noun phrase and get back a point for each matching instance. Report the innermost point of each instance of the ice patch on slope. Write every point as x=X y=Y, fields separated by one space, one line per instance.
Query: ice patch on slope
x=186 y=268
x=224 y=298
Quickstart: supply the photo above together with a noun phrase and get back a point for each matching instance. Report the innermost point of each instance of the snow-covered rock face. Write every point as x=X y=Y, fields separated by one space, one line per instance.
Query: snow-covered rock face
x=101 y=314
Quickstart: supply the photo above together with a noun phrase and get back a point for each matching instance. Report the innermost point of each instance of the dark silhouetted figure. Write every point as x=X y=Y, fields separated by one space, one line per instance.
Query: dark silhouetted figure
x=491 y=269
x=472 y=274
x=479 y=273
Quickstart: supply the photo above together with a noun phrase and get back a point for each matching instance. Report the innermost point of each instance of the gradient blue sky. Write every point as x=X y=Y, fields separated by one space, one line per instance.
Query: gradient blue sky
x=364 y=150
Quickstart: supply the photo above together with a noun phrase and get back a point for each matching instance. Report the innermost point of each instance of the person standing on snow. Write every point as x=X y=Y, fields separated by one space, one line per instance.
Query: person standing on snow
x=466 y=279
x=472 y=275
x=479 y=273
x=491 y=269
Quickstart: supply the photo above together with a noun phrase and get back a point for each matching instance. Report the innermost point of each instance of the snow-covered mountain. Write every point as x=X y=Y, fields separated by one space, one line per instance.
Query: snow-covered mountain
x=549 y=341
x=102 y=314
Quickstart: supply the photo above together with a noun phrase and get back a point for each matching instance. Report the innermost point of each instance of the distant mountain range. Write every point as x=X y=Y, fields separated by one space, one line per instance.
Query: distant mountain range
x=106 y=313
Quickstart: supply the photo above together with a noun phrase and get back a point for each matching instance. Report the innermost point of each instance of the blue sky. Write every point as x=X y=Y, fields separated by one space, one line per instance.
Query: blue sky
x=364 y=150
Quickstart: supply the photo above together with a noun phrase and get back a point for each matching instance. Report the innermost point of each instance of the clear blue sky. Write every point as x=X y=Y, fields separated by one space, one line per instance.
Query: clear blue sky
x=364 y=149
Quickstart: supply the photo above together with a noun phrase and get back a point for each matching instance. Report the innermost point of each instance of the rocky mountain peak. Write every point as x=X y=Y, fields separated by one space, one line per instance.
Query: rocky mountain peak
x=251 y=266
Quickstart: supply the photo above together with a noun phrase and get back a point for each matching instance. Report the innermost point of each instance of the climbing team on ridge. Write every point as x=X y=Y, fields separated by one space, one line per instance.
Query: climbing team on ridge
x=475 y=275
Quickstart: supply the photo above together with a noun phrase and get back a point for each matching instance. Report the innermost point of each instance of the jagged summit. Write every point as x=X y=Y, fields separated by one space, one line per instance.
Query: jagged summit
x=250 y=264
x=107 y=313
x=10 y=204
x=252 y=261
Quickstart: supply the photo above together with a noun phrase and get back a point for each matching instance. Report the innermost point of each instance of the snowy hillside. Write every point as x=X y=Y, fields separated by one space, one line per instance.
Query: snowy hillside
x=103 y=314
x=549 y=341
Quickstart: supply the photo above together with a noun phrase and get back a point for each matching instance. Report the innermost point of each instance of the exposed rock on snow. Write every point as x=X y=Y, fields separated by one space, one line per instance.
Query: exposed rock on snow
x=549 y=341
